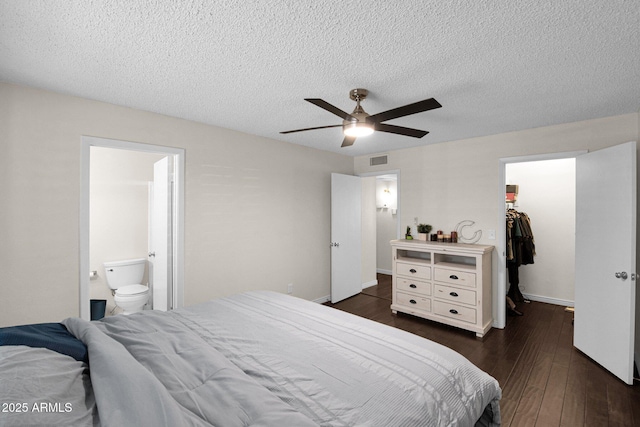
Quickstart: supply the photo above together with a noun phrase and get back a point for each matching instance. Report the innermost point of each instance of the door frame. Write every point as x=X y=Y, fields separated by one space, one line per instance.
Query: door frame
x=499 y=291
x=84 y=221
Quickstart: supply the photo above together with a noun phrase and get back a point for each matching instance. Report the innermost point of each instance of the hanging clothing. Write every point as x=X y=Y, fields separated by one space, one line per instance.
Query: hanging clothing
x=521 y=249
x=521 y=246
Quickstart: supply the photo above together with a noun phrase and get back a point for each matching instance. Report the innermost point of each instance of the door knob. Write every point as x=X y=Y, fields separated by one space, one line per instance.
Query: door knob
x=152 y=254
x=622 y=275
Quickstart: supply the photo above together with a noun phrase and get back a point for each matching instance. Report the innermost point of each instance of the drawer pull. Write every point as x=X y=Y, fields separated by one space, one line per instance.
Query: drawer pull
x=453 y=294
x=412 y=286
x=452 y=311
x=413 y=270
x=412 y=301
x=454 y=277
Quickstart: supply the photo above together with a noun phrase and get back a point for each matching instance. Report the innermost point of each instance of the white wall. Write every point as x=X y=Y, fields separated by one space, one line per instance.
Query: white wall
x=119 y=210
x=257 y=210
x=547 y=194
x=443 y=184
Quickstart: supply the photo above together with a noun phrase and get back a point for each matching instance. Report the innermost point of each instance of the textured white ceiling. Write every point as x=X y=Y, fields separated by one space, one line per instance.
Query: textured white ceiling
x=495 y=66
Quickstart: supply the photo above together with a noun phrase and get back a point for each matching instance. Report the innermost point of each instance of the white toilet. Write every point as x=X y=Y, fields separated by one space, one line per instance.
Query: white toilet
x=124 y=277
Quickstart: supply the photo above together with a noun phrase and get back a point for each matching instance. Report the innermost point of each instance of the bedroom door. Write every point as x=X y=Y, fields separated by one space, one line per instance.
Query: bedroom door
x=346 y=241
x=605 y=290
x=160 y=236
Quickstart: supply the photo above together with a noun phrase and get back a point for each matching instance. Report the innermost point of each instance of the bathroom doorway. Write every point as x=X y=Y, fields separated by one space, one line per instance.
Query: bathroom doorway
x=377 y=232
x=121 y=183
x=387 y=215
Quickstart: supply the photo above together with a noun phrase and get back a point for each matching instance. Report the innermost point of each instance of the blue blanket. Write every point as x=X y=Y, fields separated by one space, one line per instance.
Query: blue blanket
x=53 y=336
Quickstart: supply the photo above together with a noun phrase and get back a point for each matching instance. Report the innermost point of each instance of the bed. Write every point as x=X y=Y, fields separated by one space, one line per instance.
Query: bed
x=252 y=359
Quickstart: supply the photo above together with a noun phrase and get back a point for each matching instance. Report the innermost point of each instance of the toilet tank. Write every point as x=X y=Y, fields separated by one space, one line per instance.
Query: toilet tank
x=125 y=272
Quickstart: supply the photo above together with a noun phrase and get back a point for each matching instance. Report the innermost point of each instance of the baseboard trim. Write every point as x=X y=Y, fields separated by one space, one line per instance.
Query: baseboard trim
x=322 y=300
x=549 y=300
x=369 y=284
x=381 y=271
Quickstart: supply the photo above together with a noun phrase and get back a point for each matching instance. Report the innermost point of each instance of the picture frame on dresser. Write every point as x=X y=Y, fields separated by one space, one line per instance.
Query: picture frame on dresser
x=448 y=283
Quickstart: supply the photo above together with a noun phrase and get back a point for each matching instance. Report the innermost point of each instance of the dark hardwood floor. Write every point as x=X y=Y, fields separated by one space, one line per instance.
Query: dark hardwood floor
x=545 y=381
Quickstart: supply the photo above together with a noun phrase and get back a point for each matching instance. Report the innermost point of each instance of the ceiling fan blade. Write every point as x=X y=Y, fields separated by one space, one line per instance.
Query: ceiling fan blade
x=348 y=141
x=416 y=133
x=314 y=128
x=416 y=107
x=330 y=108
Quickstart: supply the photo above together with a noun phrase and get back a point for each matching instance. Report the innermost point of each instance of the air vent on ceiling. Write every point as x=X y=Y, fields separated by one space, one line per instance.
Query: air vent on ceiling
x=379 y=160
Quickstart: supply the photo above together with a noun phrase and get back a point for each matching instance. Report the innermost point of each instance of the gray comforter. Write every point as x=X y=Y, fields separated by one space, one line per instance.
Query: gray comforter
x=266 y=359
x=39 y=387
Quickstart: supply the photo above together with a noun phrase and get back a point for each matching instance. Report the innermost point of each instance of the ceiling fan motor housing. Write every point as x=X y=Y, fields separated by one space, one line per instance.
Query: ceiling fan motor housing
x=358 y=94
x=358 y=112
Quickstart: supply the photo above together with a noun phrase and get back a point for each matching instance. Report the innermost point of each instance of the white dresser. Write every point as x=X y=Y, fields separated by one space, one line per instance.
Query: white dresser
x=445 y=282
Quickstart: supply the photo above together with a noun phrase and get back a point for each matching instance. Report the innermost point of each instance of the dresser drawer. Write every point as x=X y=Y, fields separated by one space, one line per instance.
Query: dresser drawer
x=413 y=270
x=414 y=286
x=454 y=311
x=455 y=277
x=463 y=296
x=413 y=301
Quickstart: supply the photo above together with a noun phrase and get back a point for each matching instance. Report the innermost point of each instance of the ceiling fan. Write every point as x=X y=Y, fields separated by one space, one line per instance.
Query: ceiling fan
x=360 y=123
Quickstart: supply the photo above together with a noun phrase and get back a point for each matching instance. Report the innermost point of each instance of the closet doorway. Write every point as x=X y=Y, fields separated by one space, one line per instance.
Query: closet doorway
x=546 y=186
x=605 y=270
x=547 y=194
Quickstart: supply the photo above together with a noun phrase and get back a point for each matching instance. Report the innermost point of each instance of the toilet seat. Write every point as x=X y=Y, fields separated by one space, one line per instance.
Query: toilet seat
x=132 y=290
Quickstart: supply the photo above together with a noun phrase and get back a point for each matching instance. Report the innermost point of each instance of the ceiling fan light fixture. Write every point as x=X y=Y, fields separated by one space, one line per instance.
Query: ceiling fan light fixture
x=357 y=129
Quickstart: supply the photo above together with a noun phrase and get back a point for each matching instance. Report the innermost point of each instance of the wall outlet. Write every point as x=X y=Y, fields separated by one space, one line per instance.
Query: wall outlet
x=290 y=288
x=492 y=234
